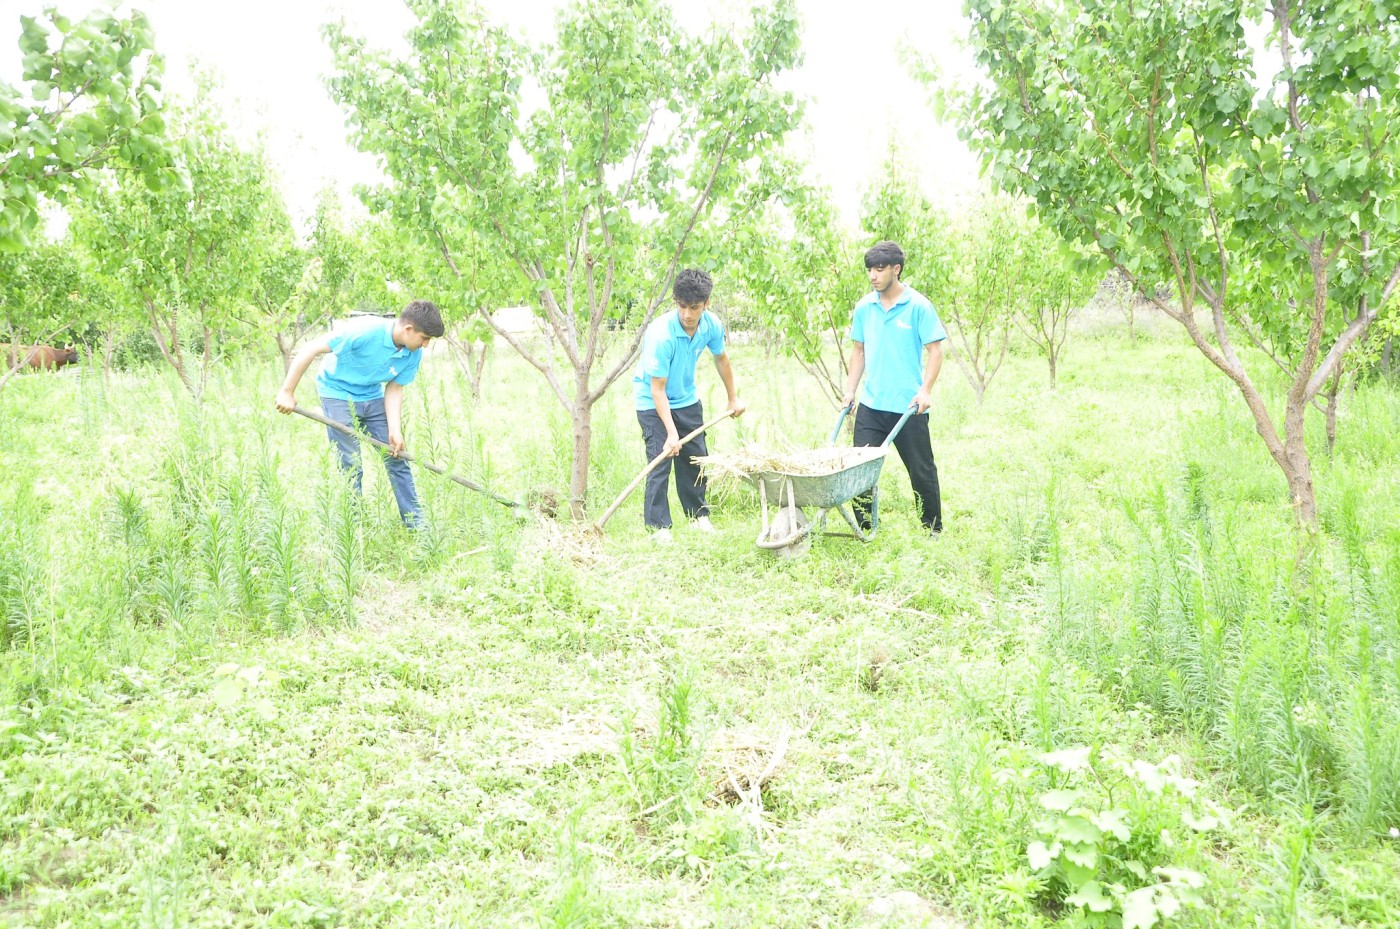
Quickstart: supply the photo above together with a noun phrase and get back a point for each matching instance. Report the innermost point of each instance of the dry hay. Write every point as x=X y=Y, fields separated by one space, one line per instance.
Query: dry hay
x=544 y=501
x=747 y=765
x=578 y=543
x=750 y=461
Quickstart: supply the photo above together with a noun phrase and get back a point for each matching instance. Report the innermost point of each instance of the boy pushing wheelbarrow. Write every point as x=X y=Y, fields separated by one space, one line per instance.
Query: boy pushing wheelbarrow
x=897 y=345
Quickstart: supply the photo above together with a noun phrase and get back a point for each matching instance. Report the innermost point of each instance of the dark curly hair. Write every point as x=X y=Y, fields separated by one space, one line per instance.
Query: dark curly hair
x=692 y=287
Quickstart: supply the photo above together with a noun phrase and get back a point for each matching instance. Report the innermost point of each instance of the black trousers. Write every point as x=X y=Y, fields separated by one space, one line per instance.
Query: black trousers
x=690 y=486
x=915 y=450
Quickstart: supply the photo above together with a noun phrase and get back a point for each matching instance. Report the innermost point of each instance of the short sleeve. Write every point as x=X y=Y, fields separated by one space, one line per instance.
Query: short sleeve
x=657 y=356
x=930 y=326
x=716 y=343
x=341 y=340
x=857 y=325
x=410 y=370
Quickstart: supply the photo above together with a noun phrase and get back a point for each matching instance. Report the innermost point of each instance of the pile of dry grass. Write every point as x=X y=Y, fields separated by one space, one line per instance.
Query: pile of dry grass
x=579 y=543
x=816 y=462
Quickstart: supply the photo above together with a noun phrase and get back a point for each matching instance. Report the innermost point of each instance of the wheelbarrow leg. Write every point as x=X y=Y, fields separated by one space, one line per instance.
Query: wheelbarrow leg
x=865 y=535
x=763 y=502
x=874 y=510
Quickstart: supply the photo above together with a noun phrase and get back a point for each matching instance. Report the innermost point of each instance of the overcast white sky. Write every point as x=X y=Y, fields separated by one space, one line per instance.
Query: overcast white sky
x=272 y=59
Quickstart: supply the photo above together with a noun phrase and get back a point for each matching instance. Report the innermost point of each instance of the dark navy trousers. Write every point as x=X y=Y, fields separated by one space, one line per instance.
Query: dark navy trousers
x=690 y=486
x=915 y=450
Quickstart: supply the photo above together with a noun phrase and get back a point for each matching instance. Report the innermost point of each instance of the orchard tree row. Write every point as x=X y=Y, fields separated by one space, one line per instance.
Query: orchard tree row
x=1256 y=210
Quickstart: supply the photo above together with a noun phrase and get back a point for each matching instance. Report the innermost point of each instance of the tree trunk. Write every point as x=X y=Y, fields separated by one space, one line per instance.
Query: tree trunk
x=1297 y=466
x=582 y=414
x=16 y=365
x=1385 y=356
x=479 y=368
x=285 y=346
x=1050 y=354
x=1330 y=411
x=1289 y=451
x=205 y=361
x=471 y=361
x=1331 y=416
x=109 y=348
x=173 y=350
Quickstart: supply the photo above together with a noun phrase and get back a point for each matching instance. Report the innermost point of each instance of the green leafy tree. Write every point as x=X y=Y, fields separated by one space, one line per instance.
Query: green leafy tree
x=896 y=209
x=1142 y=130
x=302 y=286
x=642 y=134
x=40 y=294
x=800 y=269
x=287 y=293
x=1057 y=282
x=1117 y=294
x=399 y=265
x=111 y=318
x=981 y=276
x=92 y=100
x=190 y=256
x=970 y=262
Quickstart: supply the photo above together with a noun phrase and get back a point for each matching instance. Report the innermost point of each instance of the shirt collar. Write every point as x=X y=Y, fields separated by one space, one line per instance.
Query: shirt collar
x=389 y=338
x=678 y=331
x=874 y=298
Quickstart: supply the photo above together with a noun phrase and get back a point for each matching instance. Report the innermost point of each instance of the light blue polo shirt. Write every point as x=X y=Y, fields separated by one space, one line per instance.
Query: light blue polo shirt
x=363 y=358
x=894 y=347
x=668 y=352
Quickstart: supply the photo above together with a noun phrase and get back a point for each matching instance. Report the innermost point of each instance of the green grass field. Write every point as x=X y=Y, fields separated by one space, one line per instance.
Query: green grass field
x=230 y=697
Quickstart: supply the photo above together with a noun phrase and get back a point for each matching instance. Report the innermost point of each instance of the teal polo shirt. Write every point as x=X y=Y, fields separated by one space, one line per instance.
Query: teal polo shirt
x=668 y=352
x=894 y=342
x=363 y=358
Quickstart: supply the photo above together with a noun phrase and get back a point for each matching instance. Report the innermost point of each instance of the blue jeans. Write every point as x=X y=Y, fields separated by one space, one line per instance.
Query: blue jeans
x=369 y=418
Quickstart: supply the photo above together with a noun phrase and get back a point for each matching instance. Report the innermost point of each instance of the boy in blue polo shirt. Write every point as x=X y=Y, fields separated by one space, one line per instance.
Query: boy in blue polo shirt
x=372 y=360
x=897 y=343
x=669 y=405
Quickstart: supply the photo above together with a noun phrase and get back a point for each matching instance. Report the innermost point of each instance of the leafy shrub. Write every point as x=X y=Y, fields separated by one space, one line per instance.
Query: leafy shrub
x=1115 y=831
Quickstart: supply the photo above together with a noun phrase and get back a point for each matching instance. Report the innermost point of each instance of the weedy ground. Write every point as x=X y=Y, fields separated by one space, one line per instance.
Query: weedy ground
x=232 y=696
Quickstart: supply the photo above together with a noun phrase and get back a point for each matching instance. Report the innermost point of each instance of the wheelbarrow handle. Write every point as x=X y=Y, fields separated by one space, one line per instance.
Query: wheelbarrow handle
x=355 y=433
x=841 y=419
x=913 y=407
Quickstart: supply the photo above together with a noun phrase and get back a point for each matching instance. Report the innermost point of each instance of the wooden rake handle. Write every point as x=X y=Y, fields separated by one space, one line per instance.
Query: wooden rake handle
x=355 y=433
x=627 y=491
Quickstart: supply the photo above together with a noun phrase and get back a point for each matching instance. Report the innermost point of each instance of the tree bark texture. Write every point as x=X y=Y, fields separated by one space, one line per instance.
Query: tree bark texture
x=582 y=415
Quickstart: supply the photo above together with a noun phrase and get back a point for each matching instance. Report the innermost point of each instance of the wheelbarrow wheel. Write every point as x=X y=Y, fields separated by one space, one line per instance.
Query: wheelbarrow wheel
x=789 y=534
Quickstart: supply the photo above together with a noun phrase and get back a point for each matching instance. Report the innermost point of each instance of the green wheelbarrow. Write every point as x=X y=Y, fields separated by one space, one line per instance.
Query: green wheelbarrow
x=823 y=479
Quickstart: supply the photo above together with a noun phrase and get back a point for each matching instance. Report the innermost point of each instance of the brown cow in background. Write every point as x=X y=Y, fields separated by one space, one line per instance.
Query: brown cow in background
x=39 y=356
